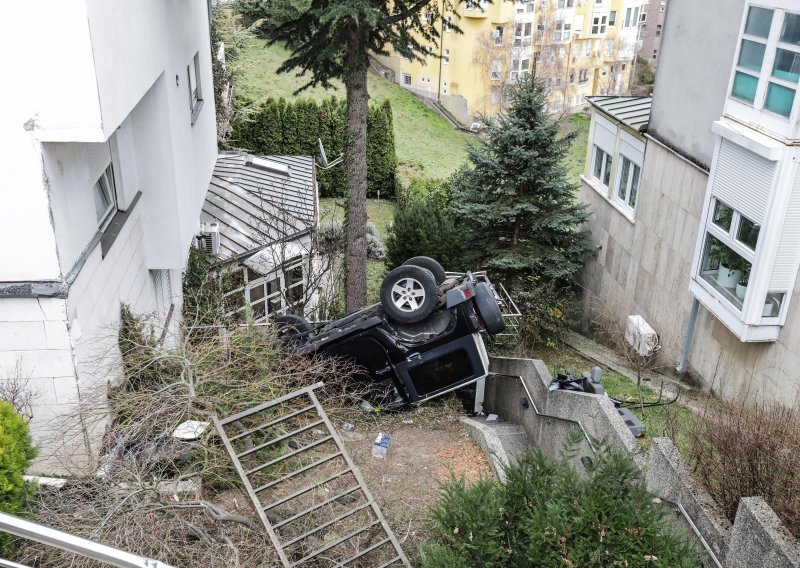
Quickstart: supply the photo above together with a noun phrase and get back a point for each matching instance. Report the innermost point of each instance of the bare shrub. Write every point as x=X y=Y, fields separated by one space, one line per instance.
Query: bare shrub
x=741 y=450
x=16 y=390
x=190 y=377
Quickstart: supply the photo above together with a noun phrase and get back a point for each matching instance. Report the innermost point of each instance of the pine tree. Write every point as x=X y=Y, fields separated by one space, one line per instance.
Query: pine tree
x=333 y=39
x=518 y=197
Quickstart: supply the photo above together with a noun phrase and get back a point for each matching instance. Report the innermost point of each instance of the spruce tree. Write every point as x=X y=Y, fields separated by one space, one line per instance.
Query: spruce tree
x=518 y=198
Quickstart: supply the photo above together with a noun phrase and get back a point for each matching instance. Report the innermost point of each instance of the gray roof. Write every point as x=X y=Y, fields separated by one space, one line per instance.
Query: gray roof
x=633 y=111
x=258 y=206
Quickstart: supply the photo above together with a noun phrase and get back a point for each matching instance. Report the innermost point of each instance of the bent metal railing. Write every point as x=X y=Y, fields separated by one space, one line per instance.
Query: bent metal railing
x=71 y=543
x=306 y=490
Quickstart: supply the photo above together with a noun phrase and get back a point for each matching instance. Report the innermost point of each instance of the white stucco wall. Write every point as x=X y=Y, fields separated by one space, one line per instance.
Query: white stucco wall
x=93 y=71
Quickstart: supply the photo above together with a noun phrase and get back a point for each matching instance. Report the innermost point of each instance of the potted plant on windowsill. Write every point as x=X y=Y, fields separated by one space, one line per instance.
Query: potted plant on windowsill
x=731 y=266
x=741 y=285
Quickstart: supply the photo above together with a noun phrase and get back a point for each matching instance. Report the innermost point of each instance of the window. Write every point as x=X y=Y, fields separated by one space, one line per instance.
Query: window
x=767 y=69
x=599 y=25
x=566 y=3
x=522 y=34
x=105 y=197
x=729 y=252
x=498 y=35
x=448 y=24
x=643 y=18
x=628 y=184
x=444 y=87
x=658 y=31
x=609 y=49
x=195 y=92
x=446 y=56
x=583 y=76
x=635 y=20
x=496 y=70
x=519 y=68
x=406 y=79
x=524 y=6
x=628 y=13
x=612 y=18
x=280 y=292
x=601 y=166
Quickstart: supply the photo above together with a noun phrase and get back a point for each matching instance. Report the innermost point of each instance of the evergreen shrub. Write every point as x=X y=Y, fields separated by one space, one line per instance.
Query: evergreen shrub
x=277 y=127
x=16 y=453
x=546 y=514
x=426 y=224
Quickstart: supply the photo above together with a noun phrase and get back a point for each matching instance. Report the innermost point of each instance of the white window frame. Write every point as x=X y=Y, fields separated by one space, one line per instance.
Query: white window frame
x=281 y=294
x=606 y=166
x=756 y=111
x=195 y=89
x=523 y=34
x=623 y=195
x=612 y=18
x=446 y=56
x=519 y=68
x=498 y=35
x=599 y=25
x=105 y=188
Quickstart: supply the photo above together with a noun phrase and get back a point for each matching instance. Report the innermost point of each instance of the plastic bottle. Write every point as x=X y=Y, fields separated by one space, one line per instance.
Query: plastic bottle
x=380 y=447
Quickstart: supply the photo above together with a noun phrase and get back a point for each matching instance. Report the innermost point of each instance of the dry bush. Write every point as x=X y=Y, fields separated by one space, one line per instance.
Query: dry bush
x=743 y=450
x=166 y=383
x=16 y=390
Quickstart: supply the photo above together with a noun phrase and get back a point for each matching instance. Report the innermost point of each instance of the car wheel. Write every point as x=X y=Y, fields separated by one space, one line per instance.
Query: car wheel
x=427 y=262
x=409 y=294
x=488 y=310
x=291 y=325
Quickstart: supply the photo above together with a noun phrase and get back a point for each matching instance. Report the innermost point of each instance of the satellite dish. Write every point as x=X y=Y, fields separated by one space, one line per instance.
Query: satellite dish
x=322 y=160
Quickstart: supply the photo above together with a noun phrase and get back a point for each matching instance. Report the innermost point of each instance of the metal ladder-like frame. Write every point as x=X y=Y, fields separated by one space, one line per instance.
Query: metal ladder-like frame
x=329 y=435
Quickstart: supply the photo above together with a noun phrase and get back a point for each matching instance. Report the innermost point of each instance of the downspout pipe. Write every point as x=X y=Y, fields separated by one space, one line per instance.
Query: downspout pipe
x=687 y=341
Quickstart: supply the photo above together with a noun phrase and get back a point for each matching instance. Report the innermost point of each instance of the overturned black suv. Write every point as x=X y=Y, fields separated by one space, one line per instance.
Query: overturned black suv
x=421 y=341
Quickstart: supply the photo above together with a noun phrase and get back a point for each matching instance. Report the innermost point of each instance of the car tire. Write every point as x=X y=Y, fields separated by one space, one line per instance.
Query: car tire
x=427 y=262
x=488 y=310
x=291 y=325
x=409 y=294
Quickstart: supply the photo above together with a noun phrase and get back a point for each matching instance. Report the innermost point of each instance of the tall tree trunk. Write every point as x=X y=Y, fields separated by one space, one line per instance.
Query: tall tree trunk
x=357 y=106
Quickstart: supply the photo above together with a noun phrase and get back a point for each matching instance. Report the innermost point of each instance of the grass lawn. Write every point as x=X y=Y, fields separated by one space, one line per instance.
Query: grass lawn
x=576 y=157
x=426 y=144
x=671 y=421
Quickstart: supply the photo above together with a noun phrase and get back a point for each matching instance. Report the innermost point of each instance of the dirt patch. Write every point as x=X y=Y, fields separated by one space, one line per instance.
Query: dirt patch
x=431 y=449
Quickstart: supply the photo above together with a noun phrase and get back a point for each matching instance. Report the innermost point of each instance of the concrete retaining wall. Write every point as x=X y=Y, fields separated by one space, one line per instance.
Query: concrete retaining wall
x=517 y=391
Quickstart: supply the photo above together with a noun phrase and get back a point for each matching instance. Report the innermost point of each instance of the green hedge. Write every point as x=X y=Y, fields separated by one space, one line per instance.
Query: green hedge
x=546 y=514
x=16 y=453
x=278 y=127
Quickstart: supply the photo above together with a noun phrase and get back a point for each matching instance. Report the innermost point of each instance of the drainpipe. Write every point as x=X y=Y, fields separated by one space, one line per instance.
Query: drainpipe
x=687 y=341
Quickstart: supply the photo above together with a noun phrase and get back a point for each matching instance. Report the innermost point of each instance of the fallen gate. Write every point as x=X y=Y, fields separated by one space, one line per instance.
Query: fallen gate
x=305 y=487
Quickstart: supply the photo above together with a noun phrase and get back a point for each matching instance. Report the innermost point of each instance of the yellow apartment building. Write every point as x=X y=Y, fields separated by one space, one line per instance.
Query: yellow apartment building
x=579 y=47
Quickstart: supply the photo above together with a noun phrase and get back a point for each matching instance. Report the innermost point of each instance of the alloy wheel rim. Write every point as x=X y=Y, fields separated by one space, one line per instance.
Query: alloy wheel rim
x=408 y=295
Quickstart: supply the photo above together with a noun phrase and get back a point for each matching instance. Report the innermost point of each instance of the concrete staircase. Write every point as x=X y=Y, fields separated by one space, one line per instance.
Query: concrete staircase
x=503 y=442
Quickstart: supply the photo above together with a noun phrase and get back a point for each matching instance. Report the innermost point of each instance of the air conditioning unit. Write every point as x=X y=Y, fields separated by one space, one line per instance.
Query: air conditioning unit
x=208 y=239
x=640 y=336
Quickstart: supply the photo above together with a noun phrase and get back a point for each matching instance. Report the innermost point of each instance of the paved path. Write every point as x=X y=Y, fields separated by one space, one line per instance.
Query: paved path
x=619 y=364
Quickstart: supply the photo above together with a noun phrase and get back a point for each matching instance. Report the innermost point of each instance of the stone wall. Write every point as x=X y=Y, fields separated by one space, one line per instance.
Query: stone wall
x=517 y=391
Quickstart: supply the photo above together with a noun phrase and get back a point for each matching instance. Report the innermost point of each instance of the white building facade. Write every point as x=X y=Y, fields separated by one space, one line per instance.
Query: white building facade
x=709 y=252
x=108 y=144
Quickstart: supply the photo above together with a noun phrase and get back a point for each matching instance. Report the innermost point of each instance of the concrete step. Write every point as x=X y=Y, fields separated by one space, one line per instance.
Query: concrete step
x=503 y=442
